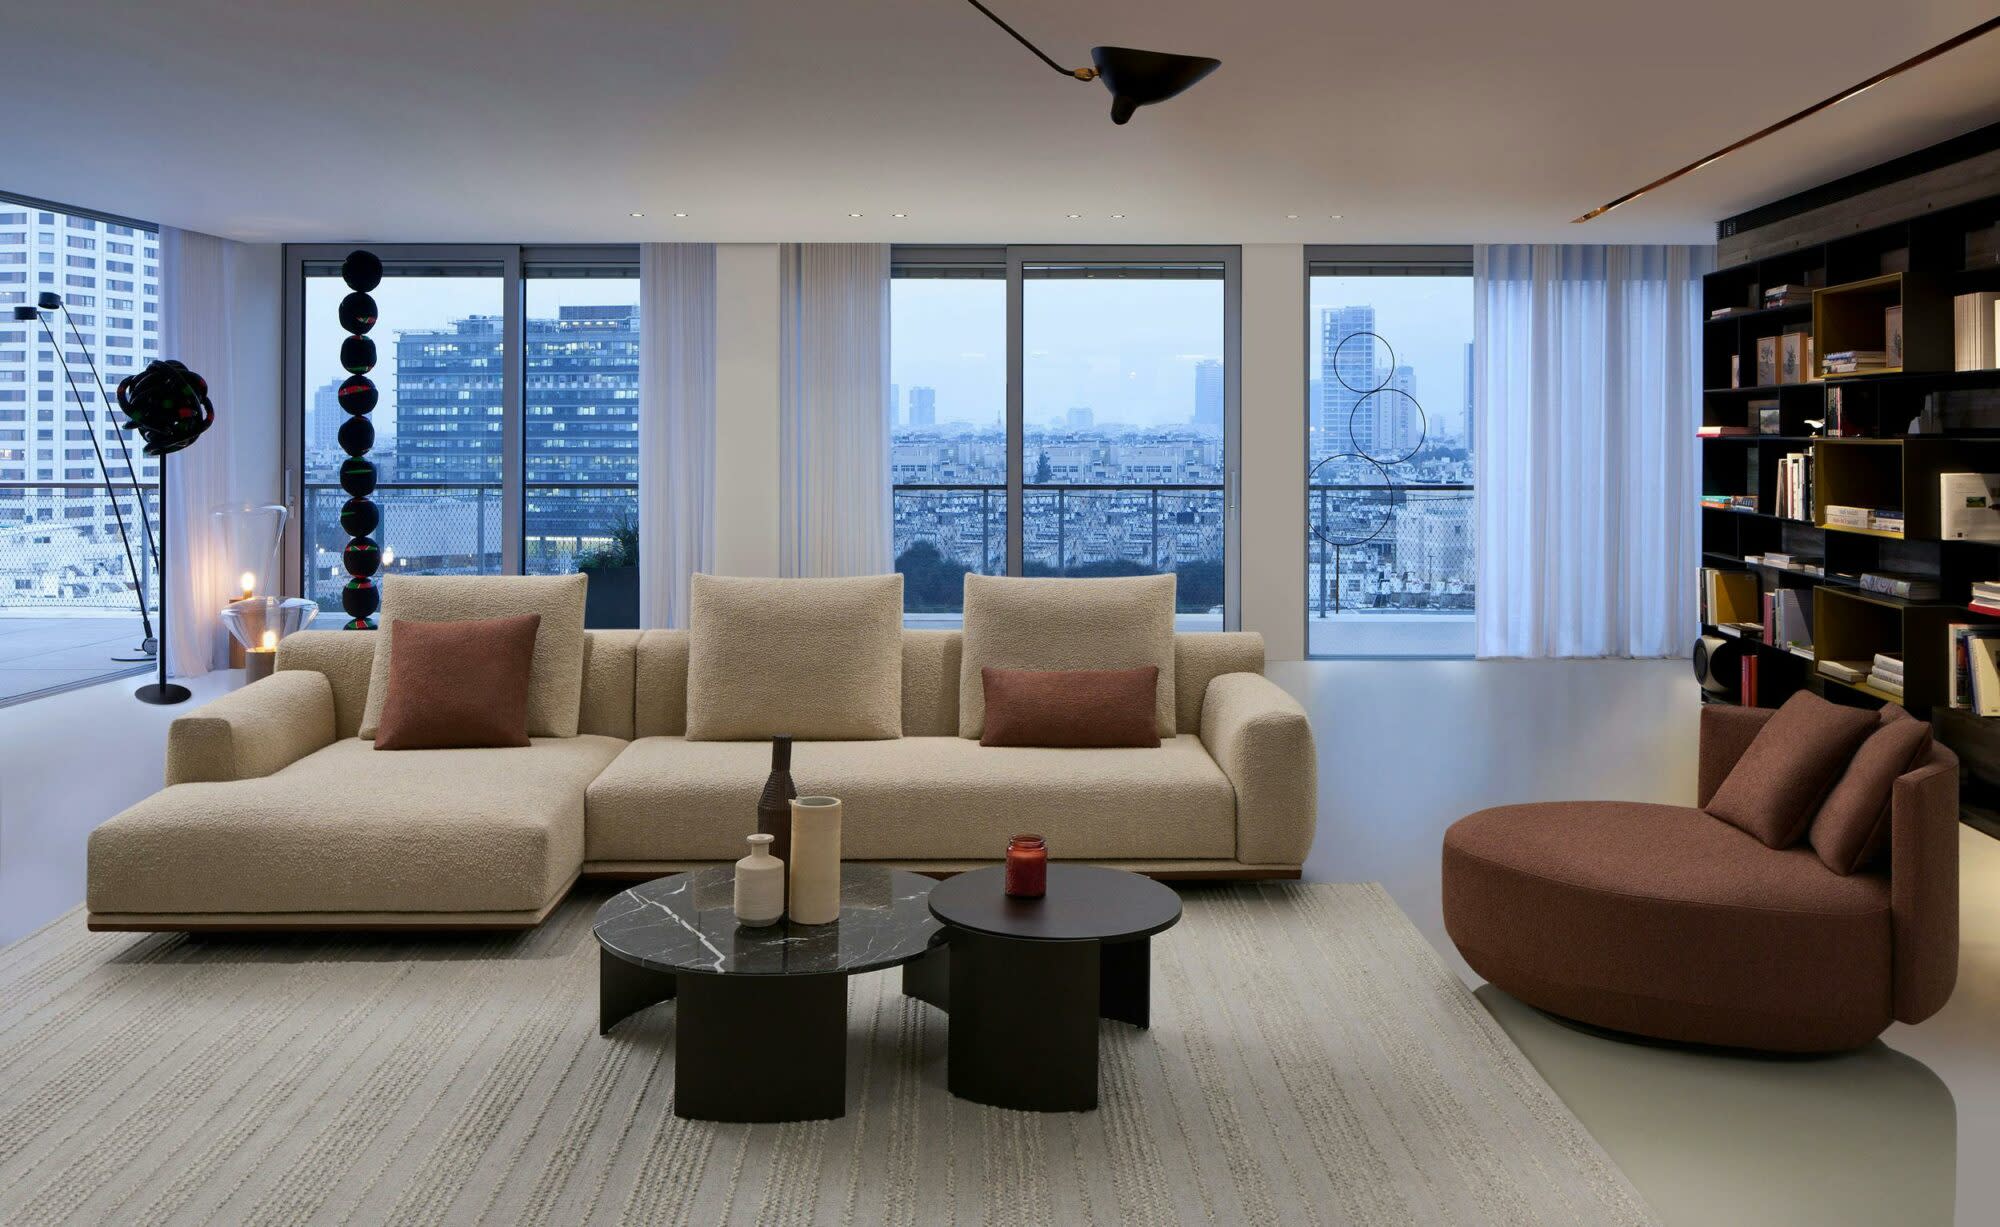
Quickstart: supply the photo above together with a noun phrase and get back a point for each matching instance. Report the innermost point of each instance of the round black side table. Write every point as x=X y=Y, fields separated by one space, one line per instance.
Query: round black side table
x=1025 y=980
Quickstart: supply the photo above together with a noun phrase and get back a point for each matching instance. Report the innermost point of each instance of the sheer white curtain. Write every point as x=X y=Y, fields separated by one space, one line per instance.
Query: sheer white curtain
x=1586 y=397
x=676 y=425
x=834 y=514
x=197 y=293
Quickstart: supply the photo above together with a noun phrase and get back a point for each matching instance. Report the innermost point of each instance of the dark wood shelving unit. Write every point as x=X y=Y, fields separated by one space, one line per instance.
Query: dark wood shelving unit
x=1887 y=436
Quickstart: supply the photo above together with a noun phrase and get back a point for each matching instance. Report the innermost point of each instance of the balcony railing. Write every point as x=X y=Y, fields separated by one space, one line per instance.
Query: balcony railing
x=1412 y=551
x=60 y=549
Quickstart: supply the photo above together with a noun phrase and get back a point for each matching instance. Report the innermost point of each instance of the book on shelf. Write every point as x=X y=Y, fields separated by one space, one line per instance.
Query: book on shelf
x=1900 y=584
x=1969 y=506
x=1885 y=665
x=1774 y=560
x=1893 y=688
x=1719 y=432
x=1728 y=597
x=1987 y=590
x=1849 y=361
x=1844 y=670
x=1990 y=608
x=1730 y=502
x=1886 y=520
x=1973 y=323
x=1788 y=618
x=1747 y=693
x=1959 y=638
x=1839 y=515
x=1985 y=691
x=1794 y=493
x=1788 y=296
x=1723 y=313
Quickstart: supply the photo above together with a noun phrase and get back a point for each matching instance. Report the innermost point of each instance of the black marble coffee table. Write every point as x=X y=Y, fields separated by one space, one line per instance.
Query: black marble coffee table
x=1025 y=980
x=762 y=1028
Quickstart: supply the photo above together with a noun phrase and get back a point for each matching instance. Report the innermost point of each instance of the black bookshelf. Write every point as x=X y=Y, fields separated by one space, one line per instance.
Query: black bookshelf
x=1875 y=439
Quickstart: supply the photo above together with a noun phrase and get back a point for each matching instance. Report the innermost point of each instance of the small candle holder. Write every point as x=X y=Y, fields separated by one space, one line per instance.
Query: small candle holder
x=1027 y=867
x=257 y=623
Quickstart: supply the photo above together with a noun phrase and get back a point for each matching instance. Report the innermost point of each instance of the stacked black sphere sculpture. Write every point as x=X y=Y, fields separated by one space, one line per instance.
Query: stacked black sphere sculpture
x=359 y=516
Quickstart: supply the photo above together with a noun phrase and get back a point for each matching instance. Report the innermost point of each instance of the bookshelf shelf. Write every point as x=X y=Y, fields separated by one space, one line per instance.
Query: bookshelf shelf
x=1889 y=433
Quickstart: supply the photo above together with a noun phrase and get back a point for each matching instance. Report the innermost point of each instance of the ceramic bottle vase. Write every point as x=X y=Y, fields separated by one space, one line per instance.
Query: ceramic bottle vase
x=774 y=807
x=760 y=885
x=815 y=862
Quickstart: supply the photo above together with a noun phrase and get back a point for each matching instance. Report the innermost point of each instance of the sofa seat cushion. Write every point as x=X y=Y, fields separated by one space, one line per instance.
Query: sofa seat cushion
x=347 y=829
x=1664 y=921
x=919 y=798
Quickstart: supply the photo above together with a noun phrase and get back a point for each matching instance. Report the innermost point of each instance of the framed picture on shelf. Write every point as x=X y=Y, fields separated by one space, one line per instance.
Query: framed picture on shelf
x=1892 y=336
x=1792 y=358
x=1767 y=361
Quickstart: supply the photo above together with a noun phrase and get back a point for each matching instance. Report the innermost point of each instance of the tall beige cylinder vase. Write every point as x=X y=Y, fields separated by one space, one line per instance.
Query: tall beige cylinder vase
x=815 y=866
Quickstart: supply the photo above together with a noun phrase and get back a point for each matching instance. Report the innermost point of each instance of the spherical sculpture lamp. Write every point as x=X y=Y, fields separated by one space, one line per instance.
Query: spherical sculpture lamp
x=359 y=516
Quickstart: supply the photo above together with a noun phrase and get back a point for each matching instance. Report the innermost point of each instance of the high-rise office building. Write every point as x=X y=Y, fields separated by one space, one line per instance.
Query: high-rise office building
x=923 y=406
x=1079 y=417
x=1208 y=394
x=323 y=419
x=59 y=543
x=1347 y=371
x=1468 y=397
x=895 y=406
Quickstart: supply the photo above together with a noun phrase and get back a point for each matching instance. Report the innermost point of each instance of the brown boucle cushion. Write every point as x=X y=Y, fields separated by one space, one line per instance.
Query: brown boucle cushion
x=1071 y=708
x=459 y=685
x=1851 y=830
x=1778 y=784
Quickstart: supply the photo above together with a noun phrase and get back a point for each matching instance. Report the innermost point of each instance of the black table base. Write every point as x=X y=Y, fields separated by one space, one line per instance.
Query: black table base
x=1024 y=1013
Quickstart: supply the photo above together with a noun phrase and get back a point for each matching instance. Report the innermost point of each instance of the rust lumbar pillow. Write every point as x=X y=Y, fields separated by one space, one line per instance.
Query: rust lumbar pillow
x=1851 y=830
x=457 y=685
x=1095 y=708
x=1778 y=784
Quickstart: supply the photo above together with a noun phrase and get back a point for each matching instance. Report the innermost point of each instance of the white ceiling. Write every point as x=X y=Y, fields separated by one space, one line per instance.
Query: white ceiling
x=526 y=120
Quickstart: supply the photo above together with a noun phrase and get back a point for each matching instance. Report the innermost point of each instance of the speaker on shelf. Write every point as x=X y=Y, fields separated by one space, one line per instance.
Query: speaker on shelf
x=1718 y=664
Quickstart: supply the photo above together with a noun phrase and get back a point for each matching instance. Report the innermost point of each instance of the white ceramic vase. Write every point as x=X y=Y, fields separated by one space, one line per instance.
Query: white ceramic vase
x=815 y=860
x=760 y=886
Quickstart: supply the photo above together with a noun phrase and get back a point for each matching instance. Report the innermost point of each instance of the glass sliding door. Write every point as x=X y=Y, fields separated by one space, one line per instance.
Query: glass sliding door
x=439 y=448
x=580 y=435
x=1389 y=546
x=1124 y=411
x=947 y=427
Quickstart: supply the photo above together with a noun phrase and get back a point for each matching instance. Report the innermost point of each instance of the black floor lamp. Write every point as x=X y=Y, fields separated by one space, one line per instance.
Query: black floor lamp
x=168 y=405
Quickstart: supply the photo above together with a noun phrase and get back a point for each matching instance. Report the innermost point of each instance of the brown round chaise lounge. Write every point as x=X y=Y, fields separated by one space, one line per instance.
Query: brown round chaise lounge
x=1662 y=921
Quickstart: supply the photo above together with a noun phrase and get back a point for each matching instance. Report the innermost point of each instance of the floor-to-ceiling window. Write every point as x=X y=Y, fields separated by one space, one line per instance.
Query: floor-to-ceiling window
x=78 y=502
x=1389 y=429
x=1097 y=442
x=506 y=433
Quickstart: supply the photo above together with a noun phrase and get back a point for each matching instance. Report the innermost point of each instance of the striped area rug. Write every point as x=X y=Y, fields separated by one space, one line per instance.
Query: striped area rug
x=1311 y=1061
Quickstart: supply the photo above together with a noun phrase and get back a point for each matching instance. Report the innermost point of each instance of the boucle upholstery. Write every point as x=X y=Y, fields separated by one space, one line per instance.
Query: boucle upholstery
x=345 y=659
x=919 y=798
x=1202 y=656
x=930 y=683
x=555 y=686
x=1262 y=741
x=661 y=685
x=1015 y=623
x=610 y=669
x=346 y=829
x=817 y=659
x=252 y=732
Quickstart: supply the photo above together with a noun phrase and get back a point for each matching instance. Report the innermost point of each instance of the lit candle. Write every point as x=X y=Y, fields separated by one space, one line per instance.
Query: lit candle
x=260 y=661
x=248 y=581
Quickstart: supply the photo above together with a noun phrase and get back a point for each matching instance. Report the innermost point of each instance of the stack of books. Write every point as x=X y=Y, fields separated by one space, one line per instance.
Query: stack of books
x=1723 y=313
x=1718 y=432
x=1794 y=500
x=1880 y=519
x=1730 y=502
x=1973 y=321
x=1856 y=361
x=1788 y=296
x=1975 y=668
x=1900 y=584
x=1788 y=619
x=1853 y=671
x=1886 y=674
x=1986 y=597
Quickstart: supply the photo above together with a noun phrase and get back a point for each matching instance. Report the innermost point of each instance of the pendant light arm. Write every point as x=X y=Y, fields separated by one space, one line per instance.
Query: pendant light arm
x=1081 y=74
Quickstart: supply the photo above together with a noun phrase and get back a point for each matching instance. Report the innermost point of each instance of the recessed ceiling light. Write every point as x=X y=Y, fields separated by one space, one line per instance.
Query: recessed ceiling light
x=1291 y=217
x=899 y=215
x=1074 y=216
x=1117 y=217
x=680 y=215
x=1333 y=217
x=854 y=215
x=638 y=215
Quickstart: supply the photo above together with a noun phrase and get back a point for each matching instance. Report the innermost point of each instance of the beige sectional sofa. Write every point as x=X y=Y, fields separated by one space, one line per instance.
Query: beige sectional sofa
x=276 y=815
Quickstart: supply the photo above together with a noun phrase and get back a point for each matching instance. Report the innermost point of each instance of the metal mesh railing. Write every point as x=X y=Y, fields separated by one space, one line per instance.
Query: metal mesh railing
x=60 y=550
x=1401 y=549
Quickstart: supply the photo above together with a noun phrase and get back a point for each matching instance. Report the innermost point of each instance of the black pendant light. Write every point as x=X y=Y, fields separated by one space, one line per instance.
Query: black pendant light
x=1135 y=78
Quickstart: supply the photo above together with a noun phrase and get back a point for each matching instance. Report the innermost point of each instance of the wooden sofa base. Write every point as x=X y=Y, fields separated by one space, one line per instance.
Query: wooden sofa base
x=1165 y=871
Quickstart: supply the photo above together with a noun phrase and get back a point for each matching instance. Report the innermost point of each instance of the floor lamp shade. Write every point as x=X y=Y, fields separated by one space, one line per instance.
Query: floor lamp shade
x=359 y=516
x=1140 y=78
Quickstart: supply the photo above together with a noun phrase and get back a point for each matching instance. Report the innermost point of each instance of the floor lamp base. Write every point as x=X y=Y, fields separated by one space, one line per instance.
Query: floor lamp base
x=163 y=693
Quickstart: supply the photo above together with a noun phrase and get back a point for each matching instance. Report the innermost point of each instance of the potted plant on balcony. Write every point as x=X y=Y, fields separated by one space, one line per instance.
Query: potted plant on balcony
x=613 y=598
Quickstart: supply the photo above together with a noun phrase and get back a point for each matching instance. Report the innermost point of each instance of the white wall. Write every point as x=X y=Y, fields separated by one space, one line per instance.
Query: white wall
x=256 y=433
x=746 y=409
x=1274 y=447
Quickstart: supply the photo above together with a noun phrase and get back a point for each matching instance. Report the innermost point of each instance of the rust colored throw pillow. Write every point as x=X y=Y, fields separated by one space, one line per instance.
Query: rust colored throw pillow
x=1067 y=708
x=1851 y=830
x=1777 y=786
x=454 y=685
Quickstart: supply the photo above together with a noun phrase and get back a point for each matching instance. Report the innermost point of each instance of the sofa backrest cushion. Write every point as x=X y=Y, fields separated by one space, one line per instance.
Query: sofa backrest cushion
x=610 y=675
x=930 y=683
x=1016 y=623
x=555 y=689
x=1851 y=830
x=660 y=684
x=1777 y=786
x=815 y=659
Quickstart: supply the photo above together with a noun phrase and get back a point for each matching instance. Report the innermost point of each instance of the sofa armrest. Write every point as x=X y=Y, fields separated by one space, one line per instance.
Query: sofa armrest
x=1726 y=731
x=1923 y=885
x=265 y=726
x=1261 y=739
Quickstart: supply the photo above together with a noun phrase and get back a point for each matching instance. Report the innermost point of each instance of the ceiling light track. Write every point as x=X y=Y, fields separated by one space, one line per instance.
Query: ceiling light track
x=1917 y=60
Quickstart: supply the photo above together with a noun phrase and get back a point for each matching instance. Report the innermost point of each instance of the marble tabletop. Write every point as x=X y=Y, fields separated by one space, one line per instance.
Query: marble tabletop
x=686 y=923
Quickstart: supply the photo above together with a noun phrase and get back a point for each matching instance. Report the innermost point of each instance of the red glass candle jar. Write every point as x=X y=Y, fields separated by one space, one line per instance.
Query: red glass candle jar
x=1027 y=867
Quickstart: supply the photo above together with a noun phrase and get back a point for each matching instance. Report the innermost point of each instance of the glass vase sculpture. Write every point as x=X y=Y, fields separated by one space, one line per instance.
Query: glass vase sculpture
x=249 y=536
x=760 y=885
x=815 y=863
